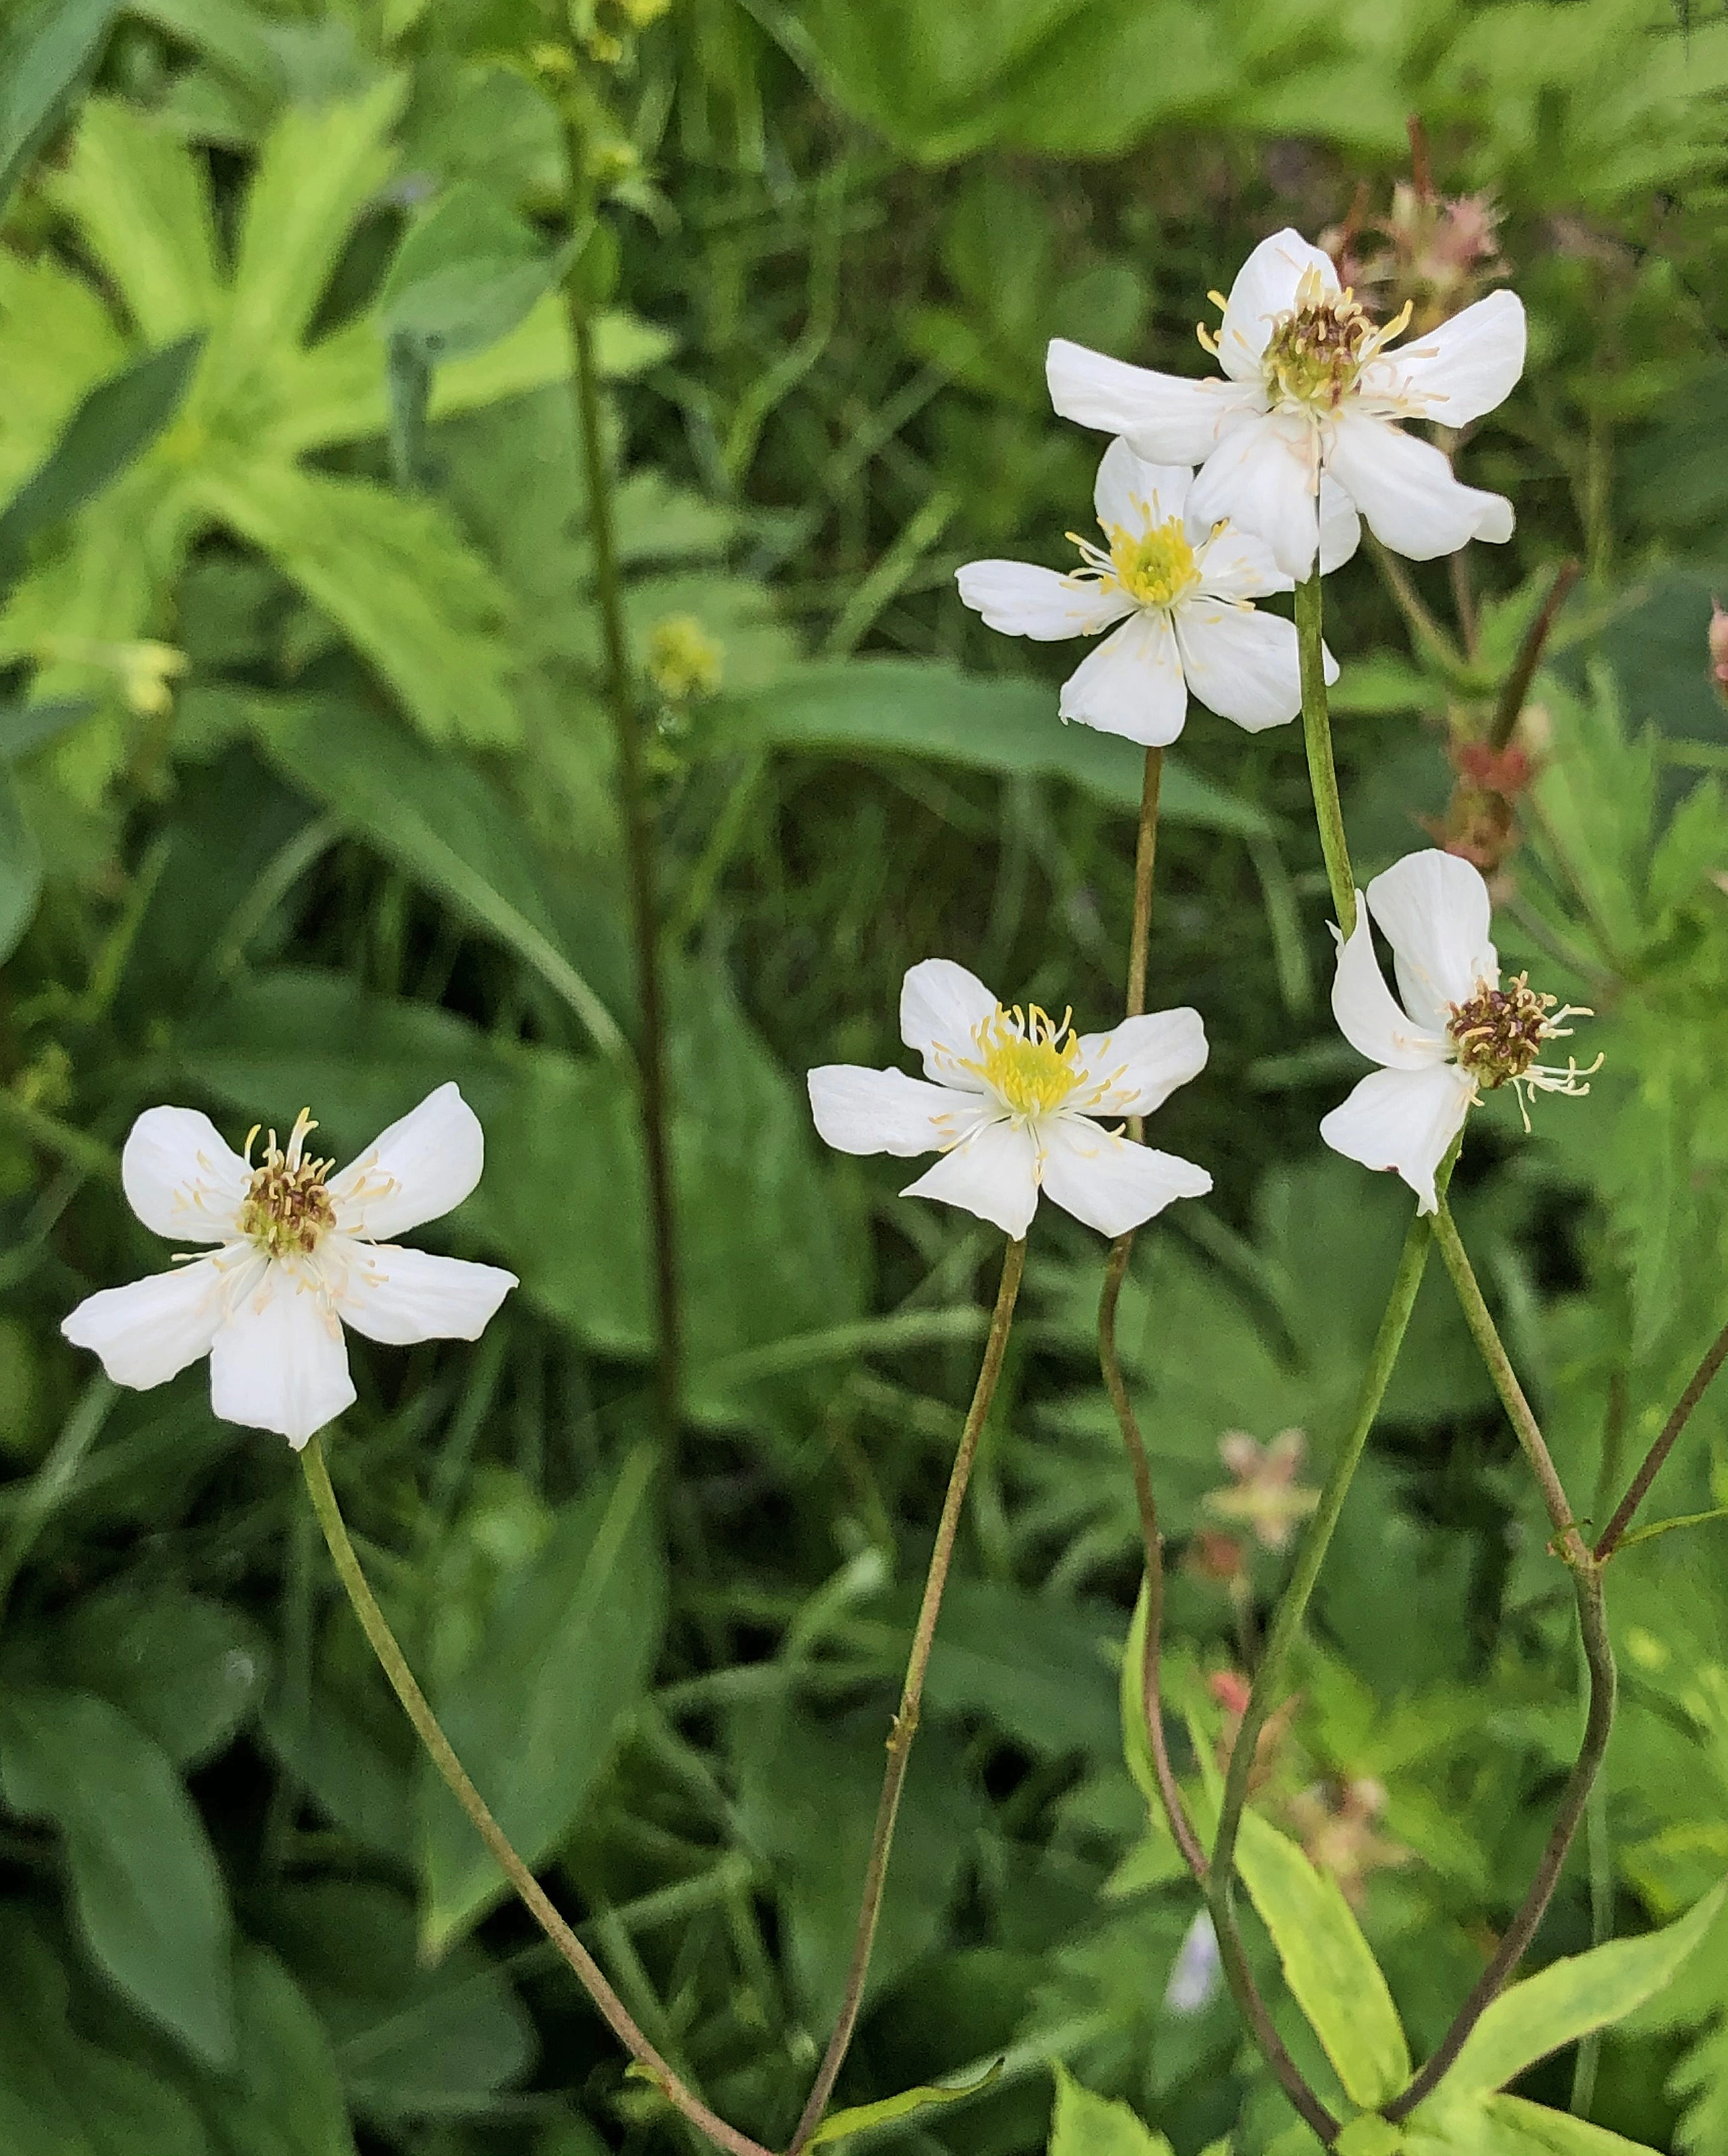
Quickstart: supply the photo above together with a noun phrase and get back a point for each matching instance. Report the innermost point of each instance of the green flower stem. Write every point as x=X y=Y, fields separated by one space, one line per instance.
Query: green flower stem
x=905 y=1727
x=1586 y=1569
x=1317 y=738
x=634 y=807
x=394 y=1663
x=1293 y=1605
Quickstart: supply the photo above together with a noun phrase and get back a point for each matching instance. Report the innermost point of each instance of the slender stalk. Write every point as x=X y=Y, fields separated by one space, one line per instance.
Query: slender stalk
x=1598 y=1654
x=1293 y=1605
x=1658 y=1452
x=1317 y=738
x=1146 y=857
x=1569 y=1543
x=1516 y=687
x=1586 y=1570
x=905 y=1727
x=394 y=1664
x=1424 y=627
x=638 y=834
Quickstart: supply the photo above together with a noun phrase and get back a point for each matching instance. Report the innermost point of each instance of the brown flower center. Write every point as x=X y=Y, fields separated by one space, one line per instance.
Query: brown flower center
x=1497 y=1034
x=286 y=1208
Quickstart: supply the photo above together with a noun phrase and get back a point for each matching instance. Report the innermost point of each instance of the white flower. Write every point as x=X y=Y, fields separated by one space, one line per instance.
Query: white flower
x=1186 y=589
x=1012 y=1104
x=297 y=1256
x=1310 y=389
x=1458 y=1032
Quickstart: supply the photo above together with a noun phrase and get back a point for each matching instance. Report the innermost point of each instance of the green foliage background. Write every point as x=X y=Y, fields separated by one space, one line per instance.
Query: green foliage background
x=368 y=844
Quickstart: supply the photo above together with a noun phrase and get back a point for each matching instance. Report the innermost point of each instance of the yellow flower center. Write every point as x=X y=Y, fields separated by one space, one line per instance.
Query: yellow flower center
x=1316 y=352
x=286 y=1208
x=1026 y=1062
x=1154 y=567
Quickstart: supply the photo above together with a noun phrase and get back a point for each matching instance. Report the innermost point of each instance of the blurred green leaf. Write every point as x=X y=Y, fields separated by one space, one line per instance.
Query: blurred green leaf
x=288 y=2097
x=1083 y=2124
x=20 y=870
x=467 y=273
x=187 y=1670
x=534 y=1712
x=148 y=1896
x=46 y=53
x=838 y=2124
x=1327 y=1964
x=1001 y=723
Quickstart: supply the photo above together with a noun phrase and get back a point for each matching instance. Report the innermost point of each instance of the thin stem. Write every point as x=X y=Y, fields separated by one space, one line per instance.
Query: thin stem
x=1568 y=1543
x=1317 y=738
x=638 y=834
x=1424 y=626
x=1516 y=687
x=1658 y=1452
x=1293 y=1605
x=905 y=1727
x=394 y=1663
x=1599 y=1722
x=1146 y=857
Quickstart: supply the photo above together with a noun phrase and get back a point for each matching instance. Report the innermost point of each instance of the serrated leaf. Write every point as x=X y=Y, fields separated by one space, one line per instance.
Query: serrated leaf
x=136 y=193
x=838 y=2124
x=1328 y=1964
x=1571 y=1998
x=42 y=63
x=533 y=1713
x=1083 y=2124
x=1001 y=723
x=148 y=1896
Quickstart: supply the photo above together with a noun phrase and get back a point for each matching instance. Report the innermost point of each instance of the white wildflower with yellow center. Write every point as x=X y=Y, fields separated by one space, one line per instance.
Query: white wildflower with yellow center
x=298 y=1253
x=1187 y=589
x=1016 y=1103
x=1457 y=1032
x=1310 y=392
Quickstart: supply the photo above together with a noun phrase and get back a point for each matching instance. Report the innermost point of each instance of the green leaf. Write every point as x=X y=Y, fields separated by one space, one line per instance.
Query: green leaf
x=289 y=2100
x=61 y=2095
x=149 y=1898
x=1507 y=2126
x=533 y=1712
x=1001 y=723
x=20 y=870
x=44 y=60
x=1083 y=2124
x=188 y=1671
x=444 y=825
x=838 y=2124
x=465 y=276
x=1370 y=2136
x=116 y=421
x=395 y=575
x=137 y=195
x=1571 y=1998
x=1327 y=1964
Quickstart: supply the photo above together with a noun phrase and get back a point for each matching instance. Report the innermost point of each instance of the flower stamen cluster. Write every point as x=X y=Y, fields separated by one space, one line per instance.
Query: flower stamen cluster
x=1154 y=567
x=286 y=1209
x=1498 y=1033
x=1316 y=352
x=1027 y=1059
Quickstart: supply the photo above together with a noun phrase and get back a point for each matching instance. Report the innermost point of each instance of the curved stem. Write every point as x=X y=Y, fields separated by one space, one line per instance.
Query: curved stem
x=394 y=1664
x=905 y=1727
x=1516 y=686
x=639 y=832
x=1598 y=1654
x=1616 y=1529
x=1317 y=738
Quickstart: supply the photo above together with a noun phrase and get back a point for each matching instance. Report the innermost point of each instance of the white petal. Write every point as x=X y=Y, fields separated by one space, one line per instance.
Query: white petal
x=1240 y=663
x=181 y=1176
x=1456 y=372
x=1341 y=529
x=1021 y=599
x=994 y=1173
x=942 y=1008
x=279 y=1362
x=1264 y=478
x=1368 y=1015
x=1133 y=684
x=1435 y=911
x=1141 y=1063
x=1265 y=288
x=1406 y=490
x=420 y=1168
x=1110 y=1183
x=1402 y=1121
x=1232 y=563
x=147 y=1333
x=398 y=1296
x=1136 y=494
x=1164 y=417
x=862 y=1110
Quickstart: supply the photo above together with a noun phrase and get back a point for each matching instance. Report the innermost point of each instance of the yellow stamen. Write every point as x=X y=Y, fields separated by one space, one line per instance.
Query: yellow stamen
x=1155 y=566
x=1025 y=1060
